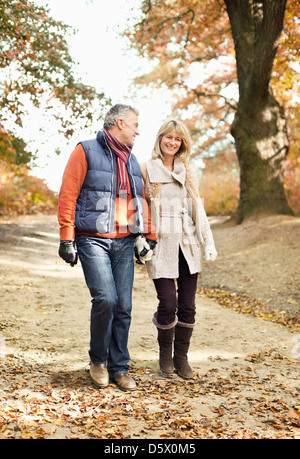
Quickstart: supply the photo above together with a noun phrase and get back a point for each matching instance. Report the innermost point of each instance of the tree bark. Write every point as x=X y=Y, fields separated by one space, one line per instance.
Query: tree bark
x=259 y=127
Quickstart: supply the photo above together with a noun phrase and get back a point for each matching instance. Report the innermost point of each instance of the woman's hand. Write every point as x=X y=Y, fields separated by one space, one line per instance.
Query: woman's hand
x=210 y=253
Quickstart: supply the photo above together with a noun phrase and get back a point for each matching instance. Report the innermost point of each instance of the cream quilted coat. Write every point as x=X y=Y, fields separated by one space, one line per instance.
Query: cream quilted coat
x=179 y=217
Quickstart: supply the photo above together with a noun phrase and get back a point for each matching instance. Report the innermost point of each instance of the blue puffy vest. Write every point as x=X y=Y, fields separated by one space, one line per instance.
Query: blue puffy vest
x=95 y=208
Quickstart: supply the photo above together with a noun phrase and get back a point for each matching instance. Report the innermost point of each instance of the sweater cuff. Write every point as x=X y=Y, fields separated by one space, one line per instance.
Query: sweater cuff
x=151 y=236
x=66 y=233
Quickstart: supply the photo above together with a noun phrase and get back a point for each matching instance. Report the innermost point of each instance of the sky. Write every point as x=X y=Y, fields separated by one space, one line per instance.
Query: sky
x=104 y=64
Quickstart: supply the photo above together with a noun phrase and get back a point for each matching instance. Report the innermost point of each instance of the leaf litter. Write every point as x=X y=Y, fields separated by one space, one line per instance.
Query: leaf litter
x=36 y=403
x=244 y=396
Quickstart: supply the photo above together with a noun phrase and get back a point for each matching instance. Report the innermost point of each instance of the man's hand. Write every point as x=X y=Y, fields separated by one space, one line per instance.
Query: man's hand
x=210 y=253
x=68 y=251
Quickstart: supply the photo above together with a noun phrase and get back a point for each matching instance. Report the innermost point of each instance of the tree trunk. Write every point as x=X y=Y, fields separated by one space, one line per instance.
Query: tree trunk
x=259 y=127
x=261 y=144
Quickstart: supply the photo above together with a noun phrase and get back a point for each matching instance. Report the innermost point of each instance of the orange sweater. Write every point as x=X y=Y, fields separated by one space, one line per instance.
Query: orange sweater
x=72 y=181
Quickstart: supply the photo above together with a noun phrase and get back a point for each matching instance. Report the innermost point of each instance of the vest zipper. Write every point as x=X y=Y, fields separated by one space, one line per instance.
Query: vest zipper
x=137 y=204
x=112 y=185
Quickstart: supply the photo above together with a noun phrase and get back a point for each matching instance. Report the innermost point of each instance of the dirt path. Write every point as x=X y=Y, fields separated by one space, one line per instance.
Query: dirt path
x=247 y=382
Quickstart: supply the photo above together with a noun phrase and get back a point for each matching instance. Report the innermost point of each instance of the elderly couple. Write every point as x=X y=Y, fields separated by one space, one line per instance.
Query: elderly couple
x=107 y=203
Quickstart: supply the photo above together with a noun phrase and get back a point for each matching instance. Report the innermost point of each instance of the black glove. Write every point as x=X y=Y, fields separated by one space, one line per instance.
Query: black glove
x=68 y=251
x=144 y=251
x=152 y=243
x=138 y=261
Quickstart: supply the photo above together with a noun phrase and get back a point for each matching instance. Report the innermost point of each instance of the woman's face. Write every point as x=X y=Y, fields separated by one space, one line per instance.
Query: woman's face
x=170 y=143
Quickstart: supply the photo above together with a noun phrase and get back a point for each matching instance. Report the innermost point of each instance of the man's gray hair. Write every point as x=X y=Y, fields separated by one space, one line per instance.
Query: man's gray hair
x=115 y=113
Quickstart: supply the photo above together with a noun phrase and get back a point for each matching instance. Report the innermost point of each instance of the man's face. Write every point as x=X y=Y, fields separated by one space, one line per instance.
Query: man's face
x=129 y=129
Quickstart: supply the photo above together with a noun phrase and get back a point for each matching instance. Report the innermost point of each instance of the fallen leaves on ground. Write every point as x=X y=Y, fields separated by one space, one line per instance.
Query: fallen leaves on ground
x=252 y=307
x=34 y=403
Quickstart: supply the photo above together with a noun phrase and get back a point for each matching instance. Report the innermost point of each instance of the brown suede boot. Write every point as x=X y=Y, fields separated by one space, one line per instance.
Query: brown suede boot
x=181 y=346
x=165 y=341
x=165 y=338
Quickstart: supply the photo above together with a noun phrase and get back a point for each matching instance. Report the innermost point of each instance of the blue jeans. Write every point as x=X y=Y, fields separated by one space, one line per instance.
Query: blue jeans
x=108 y=268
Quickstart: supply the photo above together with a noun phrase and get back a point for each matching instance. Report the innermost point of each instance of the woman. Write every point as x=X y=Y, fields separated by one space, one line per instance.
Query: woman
x=171 y=189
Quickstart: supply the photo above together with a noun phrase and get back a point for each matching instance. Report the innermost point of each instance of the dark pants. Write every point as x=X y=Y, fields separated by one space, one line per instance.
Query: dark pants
x=181 y=301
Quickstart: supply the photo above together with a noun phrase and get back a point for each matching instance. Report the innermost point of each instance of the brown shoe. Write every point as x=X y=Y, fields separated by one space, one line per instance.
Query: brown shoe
x=125 y=382
x=99 y=374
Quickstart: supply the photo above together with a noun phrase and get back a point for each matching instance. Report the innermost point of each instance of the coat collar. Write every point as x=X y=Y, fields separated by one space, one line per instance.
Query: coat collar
x=158 y=173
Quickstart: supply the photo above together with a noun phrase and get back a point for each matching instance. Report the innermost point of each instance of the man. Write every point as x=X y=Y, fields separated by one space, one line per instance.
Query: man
x=102 y=215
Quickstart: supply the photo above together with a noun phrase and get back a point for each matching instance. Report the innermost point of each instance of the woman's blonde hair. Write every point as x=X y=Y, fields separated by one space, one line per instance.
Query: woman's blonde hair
x=182 y=131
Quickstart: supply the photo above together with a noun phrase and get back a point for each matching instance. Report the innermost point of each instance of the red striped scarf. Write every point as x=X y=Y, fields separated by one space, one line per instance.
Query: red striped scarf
x=122 y=153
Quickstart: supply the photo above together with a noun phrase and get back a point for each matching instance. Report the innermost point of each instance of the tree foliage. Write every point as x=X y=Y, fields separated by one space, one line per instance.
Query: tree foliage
x=184 y=38
x=198 y=53
x=36 y=68
x=21 y=193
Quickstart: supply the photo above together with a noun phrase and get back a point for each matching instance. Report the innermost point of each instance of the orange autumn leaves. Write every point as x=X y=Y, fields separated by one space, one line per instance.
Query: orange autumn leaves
x=244 y=401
